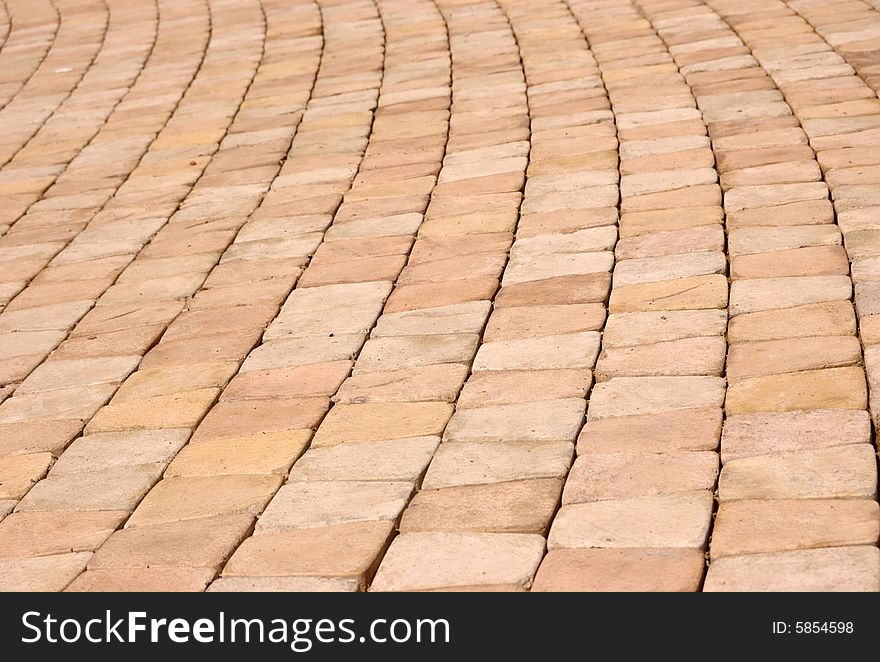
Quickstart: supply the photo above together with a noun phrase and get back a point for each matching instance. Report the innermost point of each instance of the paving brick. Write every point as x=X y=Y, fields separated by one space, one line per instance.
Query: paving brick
x=196 y=497
x=539 y=321
x=628 y=396
x=42 y=574
x=64 y=403
x=203 y=543
x=817 y=261
x=399 y=460
x=691 y=293
x=289 y=353
x=600 y=477
x=826 y=570
x=237 y=418
x=425 y=561
x=525 y=506
x=37 y=436
x=671 y=242
x=338 y=267
x=578 y=350
x=628 y=329
x=181 y=410
x=560 y=290
x=672 y=431
x=835 y=318
x=690 y=356
x=460 y=318
x=381 y=421
x=505 y=387
x=658 y=269
x=749 y=296
x=404 y=352
x=261 y=453
x=618 y=570
x=754 y=527
x=31 y=534
x=669 y=520
x=546 y=421
x=747 y=435
x=110 y=450
x=842 y=388
x=154 y=382
x=19 y=472
x=283 y=585
x=314 y=504
x=149 y=580
x=427 y=383
x=346 y=551
x=841 y=472
x=486 y=462
x=108 y=489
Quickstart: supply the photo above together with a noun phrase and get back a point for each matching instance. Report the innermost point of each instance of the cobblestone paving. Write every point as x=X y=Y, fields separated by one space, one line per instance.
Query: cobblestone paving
x=407 y=295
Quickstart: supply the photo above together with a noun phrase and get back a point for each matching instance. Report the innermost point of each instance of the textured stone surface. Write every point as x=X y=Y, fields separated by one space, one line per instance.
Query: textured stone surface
x=313 y=504
x=676 y=520
x=617 y=570
x=487 y=462
x=684 y=430
x=548 y=421
x=629 y=396
x=347 y=424
x=747 y=435
x=829 y=473
x=835 y=388
x=109 y=489
x=424 y=561
x=177 y=499
x=601 y=477
x=751 y=527
x=344 y=551
x=441 y=276
x=826 y=570
x=151 y=580
x=283 y=585
x=524 y=506
x=399 y=460
x=43 y=573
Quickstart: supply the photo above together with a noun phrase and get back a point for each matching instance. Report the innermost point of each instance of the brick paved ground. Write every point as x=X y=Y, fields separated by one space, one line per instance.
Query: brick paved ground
x=439 y=295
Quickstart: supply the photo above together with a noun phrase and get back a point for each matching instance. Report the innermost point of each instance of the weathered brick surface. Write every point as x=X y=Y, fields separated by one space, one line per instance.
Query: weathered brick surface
x=474 y=295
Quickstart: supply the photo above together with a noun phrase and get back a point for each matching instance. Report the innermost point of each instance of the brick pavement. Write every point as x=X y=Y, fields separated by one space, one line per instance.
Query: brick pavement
x=430 y=295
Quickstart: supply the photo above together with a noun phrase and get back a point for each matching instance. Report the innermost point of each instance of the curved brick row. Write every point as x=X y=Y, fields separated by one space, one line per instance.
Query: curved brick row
x=833 y=458
x=86 y=369
x=64 y=239
x=33 y=26
x=852 y=29
x=81 y=36
x=245 y=444
x=638 y=503
x=324 y=324
x=777 y=377
x=479 y=519
x=129 y=41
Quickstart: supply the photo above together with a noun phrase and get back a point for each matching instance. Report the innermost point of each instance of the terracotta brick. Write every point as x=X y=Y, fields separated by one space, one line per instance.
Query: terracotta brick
x=524 y=506
x=617 y=570
x=752 y=527
x=356 y=549
x=424 y=561
x=829 y=569
x=196 y=497
x=203 y=543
